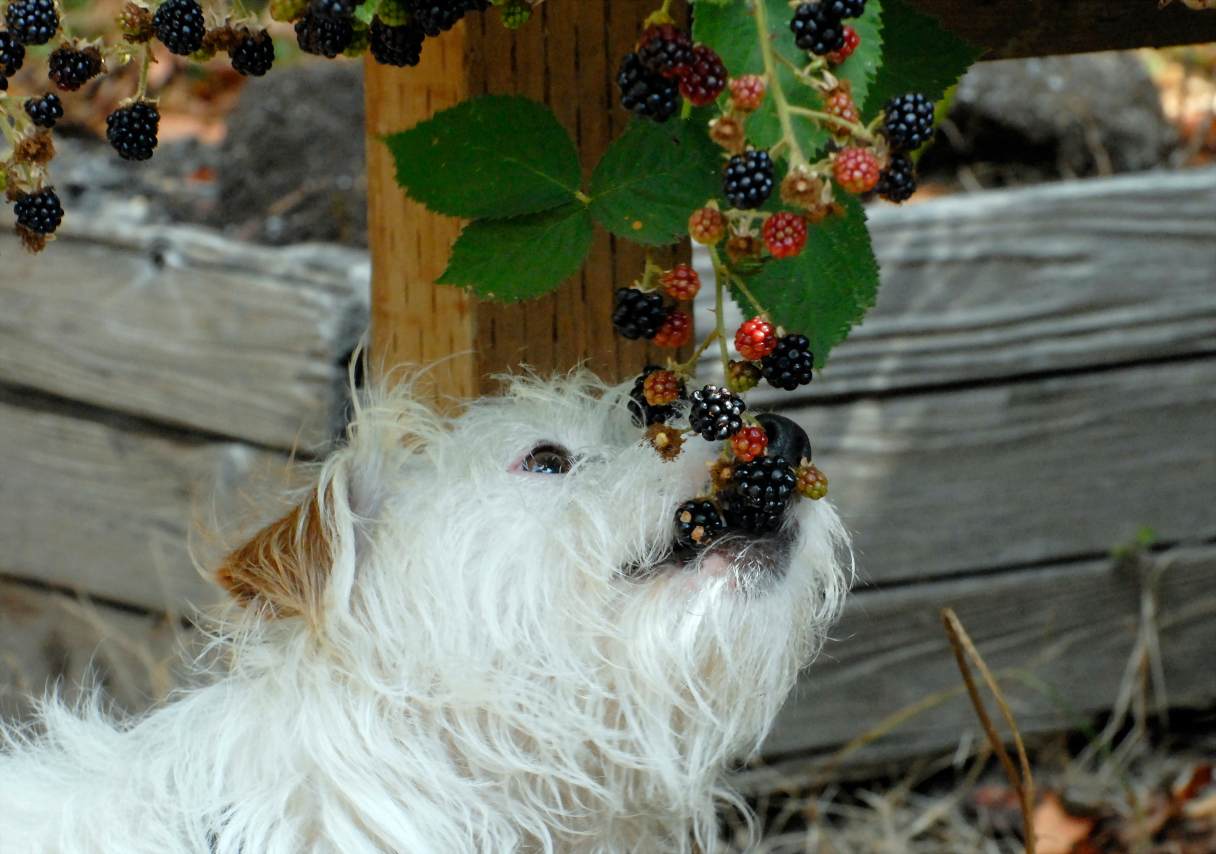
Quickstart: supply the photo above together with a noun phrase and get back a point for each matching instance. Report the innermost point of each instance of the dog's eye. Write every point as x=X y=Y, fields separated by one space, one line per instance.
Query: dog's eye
x=547 y=459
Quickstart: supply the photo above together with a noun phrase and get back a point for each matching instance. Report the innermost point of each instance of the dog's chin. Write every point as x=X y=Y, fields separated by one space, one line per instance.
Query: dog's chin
x=753 y=561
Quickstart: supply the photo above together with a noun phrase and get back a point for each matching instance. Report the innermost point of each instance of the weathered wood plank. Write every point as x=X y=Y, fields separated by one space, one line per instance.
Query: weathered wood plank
x=1000 y=284
x=1071 y=627
x=178 y=324
x=110 y=510
x=1028 y=472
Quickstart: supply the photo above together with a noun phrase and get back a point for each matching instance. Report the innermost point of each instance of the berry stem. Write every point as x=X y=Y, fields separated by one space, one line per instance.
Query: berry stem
x=738 y=280
x=720 y=276
x=797 y=158
x=582 y=197
x=858 y=131
x=689 y=367
x=144 y=65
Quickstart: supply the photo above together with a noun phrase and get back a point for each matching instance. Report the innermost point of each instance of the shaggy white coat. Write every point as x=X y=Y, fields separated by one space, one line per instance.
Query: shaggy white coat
x=497 y=661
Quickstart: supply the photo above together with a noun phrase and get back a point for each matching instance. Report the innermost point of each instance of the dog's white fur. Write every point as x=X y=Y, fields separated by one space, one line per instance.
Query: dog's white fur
x=487 y=660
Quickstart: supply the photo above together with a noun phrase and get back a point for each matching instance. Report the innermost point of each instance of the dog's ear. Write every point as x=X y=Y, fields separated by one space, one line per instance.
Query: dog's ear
x=285 y=567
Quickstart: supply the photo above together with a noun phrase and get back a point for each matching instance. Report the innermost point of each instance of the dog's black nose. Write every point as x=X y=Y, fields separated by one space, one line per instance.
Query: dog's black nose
x=785 y=438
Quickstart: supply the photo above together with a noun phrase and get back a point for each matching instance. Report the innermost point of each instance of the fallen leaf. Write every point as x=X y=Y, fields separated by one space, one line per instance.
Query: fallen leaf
x=1055 y=831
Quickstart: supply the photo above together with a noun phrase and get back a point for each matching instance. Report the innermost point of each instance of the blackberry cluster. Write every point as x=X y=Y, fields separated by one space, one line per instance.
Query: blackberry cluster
x=897 y=182
x=132 y=130
x=438 y=16
x=70 y=68
x=40 y=211
x=907 y=121
x=44 y=111
x=253 y=55
x=12 y=54
x=399 y=46
x=790 y=365
x=180 y=26
x=32 y=21
x=698 y=523
x=666 y=50
x=765 y=484
x=638 y=314
x=747 y=180
x=645 y=413
x=716 y=414
x=645 y=93
x=324 y=36
x=818 y=27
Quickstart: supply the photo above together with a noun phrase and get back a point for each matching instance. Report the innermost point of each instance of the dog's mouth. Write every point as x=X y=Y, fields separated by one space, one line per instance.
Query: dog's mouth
x=756 y=558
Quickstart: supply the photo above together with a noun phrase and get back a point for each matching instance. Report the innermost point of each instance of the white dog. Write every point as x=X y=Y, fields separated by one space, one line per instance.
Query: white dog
x=471 y=636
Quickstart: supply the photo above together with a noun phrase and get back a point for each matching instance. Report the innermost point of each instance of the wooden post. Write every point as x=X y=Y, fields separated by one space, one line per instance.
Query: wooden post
x=566 y=56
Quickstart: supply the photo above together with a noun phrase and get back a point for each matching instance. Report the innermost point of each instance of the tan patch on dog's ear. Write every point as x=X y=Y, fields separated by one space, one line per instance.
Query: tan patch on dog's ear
x=285 y=566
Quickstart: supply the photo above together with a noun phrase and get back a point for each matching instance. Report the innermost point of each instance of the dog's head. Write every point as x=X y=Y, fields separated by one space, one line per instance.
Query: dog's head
x=510 y=577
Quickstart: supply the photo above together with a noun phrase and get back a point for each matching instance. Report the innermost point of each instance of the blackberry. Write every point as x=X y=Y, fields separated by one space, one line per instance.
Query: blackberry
x=326 y=37
x=698 y=523
x=747 y=180
x=399 y=46
x=40 y=211
x=716 y=413
x=32 y=21
x=766 y=484
x=848 y=8
x=333 y=8
x=818 y=27
x=742 y=517
x=70 y=68
x=44 y=111
x=12 y=54
x=253 y=54
x=907 y=121
x=645 y=93
x=665 y=49
x=437 y=16
x=638 y=314
x=180 y=26
x=644 y=413
x=132 y=130
x=790 y=365
x=706 y=77
x=897 y=182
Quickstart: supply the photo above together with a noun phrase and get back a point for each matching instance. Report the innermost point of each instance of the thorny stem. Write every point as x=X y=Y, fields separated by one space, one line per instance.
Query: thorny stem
x=720 y=275
x=770 y=70
x=858 y=131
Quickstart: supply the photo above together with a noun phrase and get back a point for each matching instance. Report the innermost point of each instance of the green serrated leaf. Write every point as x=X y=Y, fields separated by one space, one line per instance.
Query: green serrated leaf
x=731 y=31
x=824 y=291
x=493 y=156
x=920 y=56
x=366 y=10
x=653 y=176
x=520 y=258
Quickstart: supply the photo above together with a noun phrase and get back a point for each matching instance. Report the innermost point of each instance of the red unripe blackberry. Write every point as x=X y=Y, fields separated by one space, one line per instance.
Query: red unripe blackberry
x=818 y=27
x=715 y=413
x=644 y=413
x=784 y=234
x=70 y=68
x=645 y=93
x=907 y=121
x=698 y=523
x=326 y=37
x=839 y=103
x=747 y=180
x=742 y=376
x=676 y=330
x=749 y=443
x=707 y=226
x=755 y=338
x=132 y=130
x=44 y=111
x=852 y=40
x=253 y=55
x=897 y=182
x=180 y=26
x=747 y=92
x=12 y=54
x=766 y=484
x=705 y=78
x=665 y=49
x=637 y=314
x=855 y=169
x=661 y=388
x=32 y=21
x=812 y=483
x=791 y=363
x=398 y=46
x=39 y=211
x=681 y=282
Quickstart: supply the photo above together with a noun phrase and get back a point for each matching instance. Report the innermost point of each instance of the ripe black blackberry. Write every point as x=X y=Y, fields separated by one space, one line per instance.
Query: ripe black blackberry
x=70 y=68
x=645 y=93
x=907 y=121
x=665 y=49
x=180 y=26
x=716 y=413
x=12 y=54
x=32 y=21
x=645 y=413
x=747 y=180
x=638 y=314
x=698 y=523
x=131 y=130
x=334 y=8
x=818 y=27
x=897 y=182
x=399 y=46
x=44 y=111
x=847 y=8
x=40 y=211
x=741 y=517
x=254 y=54
x=766 y=484
x=326 y=37
x=791 y=364
x=437 y=16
